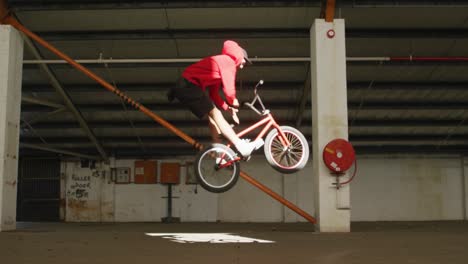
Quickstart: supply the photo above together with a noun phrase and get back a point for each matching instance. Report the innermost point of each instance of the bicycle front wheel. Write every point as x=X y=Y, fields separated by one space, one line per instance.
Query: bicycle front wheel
x=286 y=159
x=211 y=170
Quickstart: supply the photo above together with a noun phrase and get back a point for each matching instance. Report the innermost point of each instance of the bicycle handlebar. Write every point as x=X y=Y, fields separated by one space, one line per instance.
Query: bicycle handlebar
x=252 y=107
x=255 y=92
x=257 y=97
x=257 y=85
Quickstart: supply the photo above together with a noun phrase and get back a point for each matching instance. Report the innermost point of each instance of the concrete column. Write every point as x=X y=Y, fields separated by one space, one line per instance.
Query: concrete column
x=465 y=186
x=11 y=61
x=330 y=120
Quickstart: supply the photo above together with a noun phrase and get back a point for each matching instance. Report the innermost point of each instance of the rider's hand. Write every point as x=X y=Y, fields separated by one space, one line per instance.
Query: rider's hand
x=233 y=112
x=236 y=103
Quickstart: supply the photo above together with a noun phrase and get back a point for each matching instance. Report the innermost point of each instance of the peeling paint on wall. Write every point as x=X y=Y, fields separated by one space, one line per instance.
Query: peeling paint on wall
x=84 y=193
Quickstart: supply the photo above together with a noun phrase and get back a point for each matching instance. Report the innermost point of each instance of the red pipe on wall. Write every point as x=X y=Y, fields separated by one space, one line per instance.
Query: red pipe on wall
x=428 y=59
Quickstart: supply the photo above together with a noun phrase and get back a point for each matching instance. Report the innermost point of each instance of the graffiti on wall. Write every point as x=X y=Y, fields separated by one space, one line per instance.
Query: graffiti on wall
x=80 y=187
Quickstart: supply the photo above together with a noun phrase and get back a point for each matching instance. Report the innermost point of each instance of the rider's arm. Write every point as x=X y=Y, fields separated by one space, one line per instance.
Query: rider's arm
x=216 y=98
x=227 y=69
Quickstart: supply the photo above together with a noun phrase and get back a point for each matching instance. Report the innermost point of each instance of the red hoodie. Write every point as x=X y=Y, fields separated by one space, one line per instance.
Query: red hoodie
x=214 y=71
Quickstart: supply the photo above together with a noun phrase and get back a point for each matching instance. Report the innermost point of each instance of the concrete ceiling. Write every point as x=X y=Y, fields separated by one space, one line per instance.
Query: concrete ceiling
x=393 y=106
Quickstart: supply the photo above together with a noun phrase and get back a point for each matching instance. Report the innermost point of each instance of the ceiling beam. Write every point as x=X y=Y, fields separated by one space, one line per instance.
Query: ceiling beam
x=66 y=98
x=270 y=86
x=370 y=105
x=197 y=123
x=38 y=101
x=37 y=119
x=275 y=33
x=178 y=62
x=34 y=5
x=409 y=86
x=408 y=105
x=172 y=34
x=60 y=5
x=60 y=151
x=58 y=65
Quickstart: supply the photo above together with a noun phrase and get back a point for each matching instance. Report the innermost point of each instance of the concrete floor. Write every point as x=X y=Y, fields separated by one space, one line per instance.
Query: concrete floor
x=373 y=243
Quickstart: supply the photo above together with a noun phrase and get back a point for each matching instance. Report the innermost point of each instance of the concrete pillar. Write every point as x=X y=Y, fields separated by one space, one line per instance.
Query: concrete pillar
x=11 y=61
x=465 y=187
x=330 y=120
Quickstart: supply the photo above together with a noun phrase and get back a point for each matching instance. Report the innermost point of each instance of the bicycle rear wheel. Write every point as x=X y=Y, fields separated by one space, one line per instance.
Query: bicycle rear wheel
x=210 y=172
x=286 y=159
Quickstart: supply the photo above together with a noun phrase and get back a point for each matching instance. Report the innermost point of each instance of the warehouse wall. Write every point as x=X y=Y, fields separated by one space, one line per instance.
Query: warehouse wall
x=386 y=188
x=408 y=188
x=90 y=195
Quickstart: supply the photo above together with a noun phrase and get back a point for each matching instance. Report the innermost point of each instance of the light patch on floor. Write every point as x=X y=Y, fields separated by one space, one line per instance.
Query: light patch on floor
x=207 y=238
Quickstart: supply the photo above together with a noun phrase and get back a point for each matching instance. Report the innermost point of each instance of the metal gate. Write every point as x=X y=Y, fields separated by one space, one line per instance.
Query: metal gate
x=38 y=190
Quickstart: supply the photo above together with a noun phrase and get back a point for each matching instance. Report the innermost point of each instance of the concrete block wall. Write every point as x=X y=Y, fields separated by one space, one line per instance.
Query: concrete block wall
x=410 y=188
x=91 y=196
x=386 y=188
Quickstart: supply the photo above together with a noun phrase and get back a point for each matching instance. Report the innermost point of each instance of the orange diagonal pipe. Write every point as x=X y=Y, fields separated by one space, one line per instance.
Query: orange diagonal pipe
x=330 y=11
x=277 y=197
x=5 y=18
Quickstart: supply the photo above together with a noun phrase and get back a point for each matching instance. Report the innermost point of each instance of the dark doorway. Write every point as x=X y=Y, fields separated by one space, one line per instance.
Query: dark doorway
x=38 y=190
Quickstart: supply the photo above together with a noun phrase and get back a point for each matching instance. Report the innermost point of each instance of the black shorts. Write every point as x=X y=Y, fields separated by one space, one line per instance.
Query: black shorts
x=192 y=96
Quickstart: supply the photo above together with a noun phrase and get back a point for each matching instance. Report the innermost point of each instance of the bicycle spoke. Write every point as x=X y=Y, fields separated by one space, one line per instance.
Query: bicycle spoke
x=284 y=157
x=289 y=158
x=212 y=174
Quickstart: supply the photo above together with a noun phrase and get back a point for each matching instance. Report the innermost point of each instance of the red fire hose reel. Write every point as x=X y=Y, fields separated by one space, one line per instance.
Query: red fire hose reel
x=339 y=155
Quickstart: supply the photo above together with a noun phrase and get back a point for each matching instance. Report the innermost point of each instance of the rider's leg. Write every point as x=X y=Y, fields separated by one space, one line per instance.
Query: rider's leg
x=245 y=148
x=214 y=131
x=223 y=125
x=216 y=138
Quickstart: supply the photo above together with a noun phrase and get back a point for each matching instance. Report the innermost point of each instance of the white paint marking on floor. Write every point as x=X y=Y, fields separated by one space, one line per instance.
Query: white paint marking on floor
x=207 y=238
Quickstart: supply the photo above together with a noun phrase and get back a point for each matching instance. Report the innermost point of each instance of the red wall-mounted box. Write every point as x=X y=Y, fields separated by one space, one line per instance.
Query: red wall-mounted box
x=170 y=173
x=146 y=171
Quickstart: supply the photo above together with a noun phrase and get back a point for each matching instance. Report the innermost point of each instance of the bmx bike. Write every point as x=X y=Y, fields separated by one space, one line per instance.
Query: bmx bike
x=217 y=167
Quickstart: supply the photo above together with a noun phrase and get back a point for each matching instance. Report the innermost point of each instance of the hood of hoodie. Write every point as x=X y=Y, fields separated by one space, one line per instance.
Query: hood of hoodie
x=233 y=50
